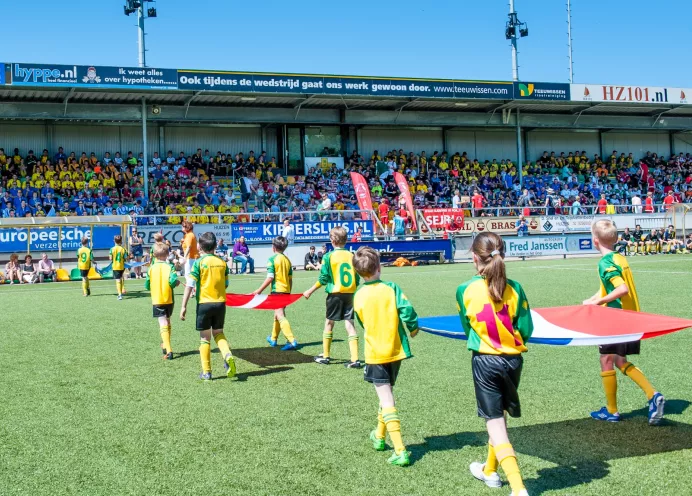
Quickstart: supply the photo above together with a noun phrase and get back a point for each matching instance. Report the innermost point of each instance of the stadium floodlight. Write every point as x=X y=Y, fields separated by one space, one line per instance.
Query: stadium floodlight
x=137 y=6
x=513 y=27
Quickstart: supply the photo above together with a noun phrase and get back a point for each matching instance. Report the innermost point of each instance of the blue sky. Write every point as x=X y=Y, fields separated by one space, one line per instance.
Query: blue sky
x=634 y=42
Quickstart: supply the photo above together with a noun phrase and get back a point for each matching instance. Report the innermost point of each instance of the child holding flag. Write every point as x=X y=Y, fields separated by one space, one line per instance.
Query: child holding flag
x=117 y=256
x=210 y=275
x=497 y=321
x=385 y=314
x=618 y=291
x=161 y=280
x=85 y=257
x=280 y=276
x=340 y=280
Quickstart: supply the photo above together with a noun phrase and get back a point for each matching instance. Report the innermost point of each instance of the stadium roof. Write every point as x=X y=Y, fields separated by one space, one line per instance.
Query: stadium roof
x=68 y=96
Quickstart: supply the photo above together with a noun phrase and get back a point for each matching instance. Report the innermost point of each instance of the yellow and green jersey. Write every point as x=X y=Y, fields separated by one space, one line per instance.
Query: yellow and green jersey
x=84 y=258
x=494 y=328
x=211 y=274
x=118 y=256
x=161 y=279
x=614 y=271
x=385 y=314
x=337 y=274
x=280 y=271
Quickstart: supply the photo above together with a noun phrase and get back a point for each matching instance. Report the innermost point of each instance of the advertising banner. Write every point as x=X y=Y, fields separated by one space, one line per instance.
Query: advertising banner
x=438 y=218
x=93 y=76
x=629 y=94
x=422 y=246
x=171 y=232
x=304 y=231
x=47 y=239
x=566 y=223
x=499 y=225
x=341 y=85
x=540 y=246
x=542 y=91
x=360 y=186
x=402 y=184
x=2 y=74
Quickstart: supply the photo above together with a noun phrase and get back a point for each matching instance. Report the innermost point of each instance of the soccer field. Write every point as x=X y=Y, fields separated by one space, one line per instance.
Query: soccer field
x=87 y=406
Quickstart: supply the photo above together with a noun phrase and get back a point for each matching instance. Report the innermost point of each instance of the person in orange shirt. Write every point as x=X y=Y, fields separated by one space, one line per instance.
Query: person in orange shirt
x=190 y=251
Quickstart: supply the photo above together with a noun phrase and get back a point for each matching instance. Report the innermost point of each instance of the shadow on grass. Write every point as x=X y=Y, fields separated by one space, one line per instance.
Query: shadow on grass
x=271 y=357
x=130 y=295
x=580 y=448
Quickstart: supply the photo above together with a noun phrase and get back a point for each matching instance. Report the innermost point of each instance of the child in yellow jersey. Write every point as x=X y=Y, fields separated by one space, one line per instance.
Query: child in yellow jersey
x=280 y=276
x=117 y=256
x=210 y=274
x=496 y=318
x=340 y=281
x=618 y=291
x=161 y=280
x=385 y=314
x=85 y=258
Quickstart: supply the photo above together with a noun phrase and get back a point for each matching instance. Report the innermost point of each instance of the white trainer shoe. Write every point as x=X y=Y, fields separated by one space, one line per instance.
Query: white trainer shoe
x=492 y=480
x=523 y=492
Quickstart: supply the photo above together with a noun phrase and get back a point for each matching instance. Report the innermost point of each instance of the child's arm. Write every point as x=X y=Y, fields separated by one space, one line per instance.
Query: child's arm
x=523 y=322
x=323 y=279
x=617 y=293
x=264 y=285
x=407 y=314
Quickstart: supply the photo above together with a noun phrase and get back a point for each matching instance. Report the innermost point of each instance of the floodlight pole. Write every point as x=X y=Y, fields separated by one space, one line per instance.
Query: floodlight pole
x=145 y=159
x=515 y=57
x=569 y=41
x=140 y=36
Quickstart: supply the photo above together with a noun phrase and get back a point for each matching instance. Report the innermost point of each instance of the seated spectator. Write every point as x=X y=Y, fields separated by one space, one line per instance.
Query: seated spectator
x=312 y=262
x=13 y=271
x=221 y=250
x=241 y=254
x=45 y=268
x=29 y=271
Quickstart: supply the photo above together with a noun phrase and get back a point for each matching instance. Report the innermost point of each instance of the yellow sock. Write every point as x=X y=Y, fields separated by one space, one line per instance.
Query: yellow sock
x=508 y=462
x=286 y=329
x=610 y=386
x=276 y=330
x=222 y=343
x=353 y=347
x=639 y=379
x=327 y=344
x=166 y=337
x=491 y=462
x=122 y=285
x=117 y=286
x=381 y=430
x=393 y=424
x=85 y=286
x=205 y=355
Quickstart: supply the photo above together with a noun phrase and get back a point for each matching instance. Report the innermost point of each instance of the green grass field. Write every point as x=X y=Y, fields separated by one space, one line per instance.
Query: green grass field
x=87 y=406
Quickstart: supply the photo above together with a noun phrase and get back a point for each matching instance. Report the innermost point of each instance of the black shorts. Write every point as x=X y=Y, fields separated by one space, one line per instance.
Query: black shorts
x=621 y=349
x=137 y=251
x=210 y=316
x=84 y=273
x=496 y=380
x=118 y=274
x=340 y=306
x=163 y=310
x=382 y=373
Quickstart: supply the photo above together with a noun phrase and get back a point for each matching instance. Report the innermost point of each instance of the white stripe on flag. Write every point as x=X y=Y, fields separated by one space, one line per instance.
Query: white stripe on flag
x=544 y=329
x=256 y=301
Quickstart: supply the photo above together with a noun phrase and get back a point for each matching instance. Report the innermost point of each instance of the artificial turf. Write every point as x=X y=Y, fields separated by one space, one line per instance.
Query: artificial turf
x=87 y=406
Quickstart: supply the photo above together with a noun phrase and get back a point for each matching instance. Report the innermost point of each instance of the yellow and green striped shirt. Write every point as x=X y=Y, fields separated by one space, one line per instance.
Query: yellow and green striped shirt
x=614 y=271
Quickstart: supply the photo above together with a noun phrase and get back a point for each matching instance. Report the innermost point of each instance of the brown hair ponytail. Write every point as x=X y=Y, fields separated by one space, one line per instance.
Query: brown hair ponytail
x=490 y=251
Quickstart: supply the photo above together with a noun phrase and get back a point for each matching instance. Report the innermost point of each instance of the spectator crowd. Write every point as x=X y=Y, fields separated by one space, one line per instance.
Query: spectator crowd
x=187 y=186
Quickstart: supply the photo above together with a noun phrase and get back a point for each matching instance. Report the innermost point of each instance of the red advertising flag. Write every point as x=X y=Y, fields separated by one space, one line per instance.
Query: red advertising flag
x=360 y=185
x=261 y=302
x=438 y=218
x=406 y=193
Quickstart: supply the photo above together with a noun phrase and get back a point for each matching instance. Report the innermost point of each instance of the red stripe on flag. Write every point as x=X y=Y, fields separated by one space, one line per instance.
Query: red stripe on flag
x=272 y=302
x=605 y=321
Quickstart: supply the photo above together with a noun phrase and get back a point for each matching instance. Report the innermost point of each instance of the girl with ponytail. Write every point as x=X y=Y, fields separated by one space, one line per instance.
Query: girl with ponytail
x=496 y=317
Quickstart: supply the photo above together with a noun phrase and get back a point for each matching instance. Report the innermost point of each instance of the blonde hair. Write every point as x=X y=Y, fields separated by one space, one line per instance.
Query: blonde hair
x=605 y=232
x=186 y=225
x=490 y=252
x=366 y=261
x=158 y=238
x=338 y=236
x=161 y=251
